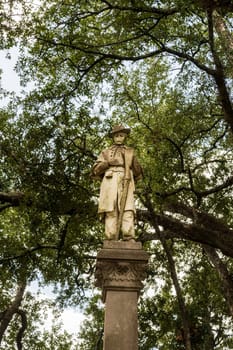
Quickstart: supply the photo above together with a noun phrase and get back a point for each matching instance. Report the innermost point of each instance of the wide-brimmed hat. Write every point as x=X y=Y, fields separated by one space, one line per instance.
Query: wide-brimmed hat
x=118 y=128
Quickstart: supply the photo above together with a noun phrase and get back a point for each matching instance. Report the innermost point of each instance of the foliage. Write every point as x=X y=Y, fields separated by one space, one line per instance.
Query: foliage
x=38 y=336
x=164 y=68
x=91 y=333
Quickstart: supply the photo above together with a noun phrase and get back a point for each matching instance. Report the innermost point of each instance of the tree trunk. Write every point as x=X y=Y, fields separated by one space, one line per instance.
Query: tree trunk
x=13 y=308
x=182 y=306
x=225 y=277
x=223 y=32
x=171 y=263
x=219 y=76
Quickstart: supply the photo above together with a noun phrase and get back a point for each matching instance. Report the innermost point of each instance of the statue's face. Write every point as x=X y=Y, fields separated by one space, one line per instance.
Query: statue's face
x=119 y=138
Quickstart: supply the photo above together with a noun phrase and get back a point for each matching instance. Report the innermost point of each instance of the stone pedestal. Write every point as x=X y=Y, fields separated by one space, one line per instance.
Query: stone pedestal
x=120 y=269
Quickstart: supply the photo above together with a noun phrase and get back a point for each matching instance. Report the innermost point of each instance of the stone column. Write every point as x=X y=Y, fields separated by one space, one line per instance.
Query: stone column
x=120 y=268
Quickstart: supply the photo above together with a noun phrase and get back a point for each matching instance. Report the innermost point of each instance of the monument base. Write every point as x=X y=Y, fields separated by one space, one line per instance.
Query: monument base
x=120 y=268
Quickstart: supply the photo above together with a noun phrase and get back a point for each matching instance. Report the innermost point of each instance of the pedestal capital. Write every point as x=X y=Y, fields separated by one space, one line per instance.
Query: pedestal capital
x=121 y=266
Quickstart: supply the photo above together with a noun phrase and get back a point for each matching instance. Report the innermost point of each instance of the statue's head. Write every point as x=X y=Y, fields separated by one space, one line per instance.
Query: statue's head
x=119 y=133
x=119 y=128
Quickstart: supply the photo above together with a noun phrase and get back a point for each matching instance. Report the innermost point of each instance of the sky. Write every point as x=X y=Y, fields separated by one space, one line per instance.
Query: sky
x=71 y=318
x=9 y=79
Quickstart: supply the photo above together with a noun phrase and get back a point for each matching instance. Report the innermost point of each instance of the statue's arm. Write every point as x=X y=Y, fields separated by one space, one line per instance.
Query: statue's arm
x=137 y=169
x=101 y=165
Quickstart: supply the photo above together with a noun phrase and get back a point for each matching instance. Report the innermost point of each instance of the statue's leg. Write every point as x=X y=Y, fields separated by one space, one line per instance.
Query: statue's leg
x=127 y=227
x=111 y=225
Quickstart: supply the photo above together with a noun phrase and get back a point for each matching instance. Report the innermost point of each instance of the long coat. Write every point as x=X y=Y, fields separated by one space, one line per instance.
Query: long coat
x=113 y=177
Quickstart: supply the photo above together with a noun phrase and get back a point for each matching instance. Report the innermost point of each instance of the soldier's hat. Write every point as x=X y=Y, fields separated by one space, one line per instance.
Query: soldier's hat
x=118 y=128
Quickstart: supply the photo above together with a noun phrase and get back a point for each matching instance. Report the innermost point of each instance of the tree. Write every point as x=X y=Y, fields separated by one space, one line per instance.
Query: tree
x=27 y=327
x=11 y=22
x=165 y=69
x=76 y=51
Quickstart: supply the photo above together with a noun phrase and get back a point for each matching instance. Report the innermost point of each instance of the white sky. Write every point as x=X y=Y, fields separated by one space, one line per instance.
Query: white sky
x=70 y=317
x=9 y=79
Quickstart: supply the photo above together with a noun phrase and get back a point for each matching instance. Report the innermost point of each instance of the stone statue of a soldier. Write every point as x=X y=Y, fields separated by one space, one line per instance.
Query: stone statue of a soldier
x=118 y=168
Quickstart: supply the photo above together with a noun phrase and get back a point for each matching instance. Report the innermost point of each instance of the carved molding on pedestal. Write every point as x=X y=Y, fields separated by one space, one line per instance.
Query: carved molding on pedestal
x=128 y=274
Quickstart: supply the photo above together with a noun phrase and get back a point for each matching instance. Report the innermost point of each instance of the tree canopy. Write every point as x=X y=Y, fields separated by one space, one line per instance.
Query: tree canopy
x=164 y=68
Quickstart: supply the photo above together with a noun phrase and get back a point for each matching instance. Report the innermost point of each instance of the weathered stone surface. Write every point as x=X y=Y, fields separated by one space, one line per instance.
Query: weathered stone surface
x=120 y=269
x=131 y=244
x=121 y=321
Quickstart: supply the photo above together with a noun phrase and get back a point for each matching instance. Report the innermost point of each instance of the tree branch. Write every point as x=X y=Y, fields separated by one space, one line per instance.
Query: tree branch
x=12 y=309
x=142 y=9
x=21 y=331
x=28 y=252
x=203 y=232
x=13 y=198
x=225 y=276
x=219 y=75
x=200 y=194
x=190 y=58
x=89 y=49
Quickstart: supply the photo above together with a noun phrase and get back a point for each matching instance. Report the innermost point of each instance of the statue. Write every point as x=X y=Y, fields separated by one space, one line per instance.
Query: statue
x=118 y=169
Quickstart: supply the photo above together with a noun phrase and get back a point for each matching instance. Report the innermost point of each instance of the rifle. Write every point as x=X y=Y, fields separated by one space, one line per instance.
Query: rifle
x=127 y=177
